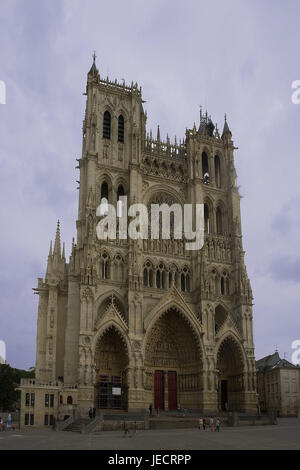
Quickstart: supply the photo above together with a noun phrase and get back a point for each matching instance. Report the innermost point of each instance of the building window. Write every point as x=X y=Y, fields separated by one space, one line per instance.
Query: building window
x=61 y=399
x=206 y=219
x=205 y=168
x=121 y=129
x=32 y=399
x=69 y=400
x=120 y=203
x=27 y=399
x=46 y=418
x=219 y=220
x=51 y=401
x=105 y=266
x=106 y=125
x=51 y=420
x=26 y=419
x=218 y=171
x=148 y=275
x=31 y=419
x=47 y=400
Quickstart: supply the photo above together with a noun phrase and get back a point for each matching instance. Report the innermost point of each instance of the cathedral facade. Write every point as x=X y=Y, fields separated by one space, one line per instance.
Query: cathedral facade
x=129 y=323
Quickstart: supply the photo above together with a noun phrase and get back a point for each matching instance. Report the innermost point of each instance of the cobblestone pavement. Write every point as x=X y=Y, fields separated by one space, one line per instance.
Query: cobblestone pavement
x=286 y=435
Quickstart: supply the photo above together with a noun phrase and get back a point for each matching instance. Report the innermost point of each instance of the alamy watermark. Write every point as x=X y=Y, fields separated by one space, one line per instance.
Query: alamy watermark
x=2 y=92
x=2 y=352
x=185 y=224
x=296 y=94
x=295 y=358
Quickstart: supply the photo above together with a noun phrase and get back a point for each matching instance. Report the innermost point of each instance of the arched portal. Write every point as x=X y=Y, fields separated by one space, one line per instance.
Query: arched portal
x=111 y=362
x=230 y=366
x=172 y=363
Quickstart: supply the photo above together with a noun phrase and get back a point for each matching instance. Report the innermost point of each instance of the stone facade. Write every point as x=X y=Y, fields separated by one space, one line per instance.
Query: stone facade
x=165 y=325
x=278 y=385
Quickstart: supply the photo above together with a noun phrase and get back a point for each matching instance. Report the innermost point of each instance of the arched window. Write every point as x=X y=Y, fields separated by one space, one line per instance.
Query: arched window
x=104 y=198
x=185 y=280
x=225 y=287
x=106 y=125
x=219 y=220
x=182 y=282
x=120 y=193
x=206 y=219
x=105 y=266
x=69 y=400
x=148 y=275
x=222 y=286
x=121 y=129
x=205 y=168
x=218 y=171
x=160 y=277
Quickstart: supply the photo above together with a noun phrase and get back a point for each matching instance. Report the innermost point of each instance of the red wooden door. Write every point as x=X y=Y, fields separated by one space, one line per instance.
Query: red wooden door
x=159 y=389
x=172 y=390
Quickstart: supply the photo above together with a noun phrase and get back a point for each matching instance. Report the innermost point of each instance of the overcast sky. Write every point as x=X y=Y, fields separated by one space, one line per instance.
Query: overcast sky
x=238 y=57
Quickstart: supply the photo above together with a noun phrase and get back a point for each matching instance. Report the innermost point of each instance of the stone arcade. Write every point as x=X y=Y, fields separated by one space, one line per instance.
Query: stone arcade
x=127 y=323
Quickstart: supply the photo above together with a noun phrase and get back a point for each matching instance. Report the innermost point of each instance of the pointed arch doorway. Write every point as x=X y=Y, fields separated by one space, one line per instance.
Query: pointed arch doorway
x=173 y=363
x=230 y=366
x=111 y=362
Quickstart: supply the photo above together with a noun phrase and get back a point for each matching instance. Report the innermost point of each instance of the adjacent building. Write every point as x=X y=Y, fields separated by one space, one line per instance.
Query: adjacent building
x=278 y=385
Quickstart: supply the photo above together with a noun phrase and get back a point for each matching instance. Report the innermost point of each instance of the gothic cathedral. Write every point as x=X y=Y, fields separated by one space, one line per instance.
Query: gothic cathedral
x=129 y=323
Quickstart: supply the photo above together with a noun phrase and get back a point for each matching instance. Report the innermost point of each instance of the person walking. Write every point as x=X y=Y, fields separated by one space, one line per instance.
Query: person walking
x=200 y=423
x=204 y=424
x=8 y=424
x=217 y=425
x=211 y=424
x=150 y=410
x=126 y=428
x=1 y=424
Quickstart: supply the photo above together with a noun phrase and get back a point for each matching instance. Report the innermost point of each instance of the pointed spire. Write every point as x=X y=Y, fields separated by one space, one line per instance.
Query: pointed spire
x=93 y=70
x=50 y=249
x=158 y=134
x=63 y=252
x=226 y=129
x=57 y=250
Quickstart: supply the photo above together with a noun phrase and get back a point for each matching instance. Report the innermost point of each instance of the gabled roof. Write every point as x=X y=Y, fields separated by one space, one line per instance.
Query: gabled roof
x=273 y=361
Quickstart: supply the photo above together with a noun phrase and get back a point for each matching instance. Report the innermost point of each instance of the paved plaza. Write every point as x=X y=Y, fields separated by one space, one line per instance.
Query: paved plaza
x=286 y=435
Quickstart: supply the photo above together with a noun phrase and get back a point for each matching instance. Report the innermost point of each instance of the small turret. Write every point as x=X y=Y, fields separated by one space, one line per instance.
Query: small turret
x=56 y=259
x=226 y=131
x=94 y=72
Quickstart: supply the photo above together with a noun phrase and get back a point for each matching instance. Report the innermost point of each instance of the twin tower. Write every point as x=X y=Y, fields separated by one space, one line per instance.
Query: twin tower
x=129 y=323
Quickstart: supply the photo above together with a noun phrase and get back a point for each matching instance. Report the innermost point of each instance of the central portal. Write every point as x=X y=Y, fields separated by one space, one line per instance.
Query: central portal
x=172 y=363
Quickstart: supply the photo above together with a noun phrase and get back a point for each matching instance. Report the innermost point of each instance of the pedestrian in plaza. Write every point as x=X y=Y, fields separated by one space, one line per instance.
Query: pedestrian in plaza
x=200 y=423
x=1 y=424
x=150 y=410
x=211 y=423
x=133 y=430
x=94 y=412
x=90 y=413
x=217 y=425
x=126 y=428
x=204 y=424
x=8 y=424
